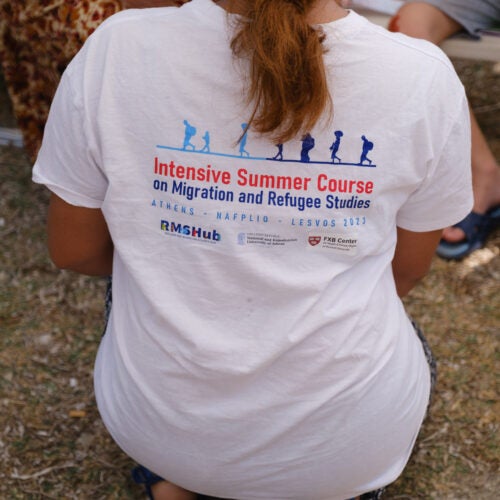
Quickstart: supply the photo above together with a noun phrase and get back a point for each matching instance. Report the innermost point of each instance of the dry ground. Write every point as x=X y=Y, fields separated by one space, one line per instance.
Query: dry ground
x=52 y=443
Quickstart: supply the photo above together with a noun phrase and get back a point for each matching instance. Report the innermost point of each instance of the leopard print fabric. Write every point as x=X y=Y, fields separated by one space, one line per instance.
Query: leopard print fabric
x=38 y=38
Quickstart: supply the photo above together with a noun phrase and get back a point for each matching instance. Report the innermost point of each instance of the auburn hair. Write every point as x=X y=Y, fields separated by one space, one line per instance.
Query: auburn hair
x=288 y=88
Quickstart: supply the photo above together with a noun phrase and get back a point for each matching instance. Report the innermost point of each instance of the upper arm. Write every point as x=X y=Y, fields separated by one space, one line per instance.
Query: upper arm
x=78 y=238
x=413 y=257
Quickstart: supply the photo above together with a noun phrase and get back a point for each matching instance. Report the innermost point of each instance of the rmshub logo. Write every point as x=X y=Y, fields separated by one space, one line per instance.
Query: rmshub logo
x=192 y=231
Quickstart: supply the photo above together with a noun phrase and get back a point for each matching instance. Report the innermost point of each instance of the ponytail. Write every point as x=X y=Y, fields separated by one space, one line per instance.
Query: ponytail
x=288 y=89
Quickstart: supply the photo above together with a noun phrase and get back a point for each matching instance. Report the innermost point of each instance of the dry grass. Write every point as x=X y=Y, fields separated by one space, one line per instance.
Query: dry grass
x=52 y=443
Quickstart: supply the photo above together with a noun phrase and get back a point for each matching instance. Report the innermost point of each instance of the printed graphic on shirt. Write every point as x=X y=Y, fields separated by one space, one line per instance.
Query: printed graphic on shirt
x=189 y=231
x=294 y=204
x=265 y=239
x=335 y=241
x=308 y=144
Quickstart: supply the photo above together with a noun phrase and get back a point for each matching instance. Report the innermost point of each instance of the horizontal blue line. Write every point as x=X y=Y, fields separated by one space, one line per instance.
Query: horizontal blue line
x=213 y=154
x=323 y=163
x=263 y=158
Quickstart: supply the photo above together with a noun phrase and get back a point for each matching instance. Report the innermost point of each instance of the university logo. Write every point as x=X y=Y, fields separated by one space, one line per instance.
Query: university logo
x=314 y=240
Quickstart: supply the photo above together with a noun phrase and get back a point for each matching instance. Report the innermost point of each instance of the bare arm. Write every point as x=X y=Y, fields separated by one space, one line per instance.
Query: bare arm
x=413 y=257
x=79 y=239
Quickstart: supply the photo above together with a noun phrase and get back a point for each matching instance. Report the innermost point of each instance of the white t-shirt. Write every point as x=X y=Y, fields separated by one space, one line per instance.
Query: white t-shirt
x=256 y=346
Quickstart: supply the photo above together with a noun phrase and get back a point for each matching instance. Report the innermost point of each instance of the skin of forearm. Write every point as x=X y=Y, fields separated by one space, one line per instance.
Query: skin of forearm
x=404 y=284
x=78 y=238
x=412 y=258
x=99 y=265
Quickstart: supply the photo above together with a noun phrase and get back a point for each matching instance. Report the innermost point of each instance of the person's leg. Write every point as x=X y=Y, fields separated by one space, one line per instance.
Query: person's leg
x=168 y=491
x=485 y=179
x=158 y=488
x=422 y=20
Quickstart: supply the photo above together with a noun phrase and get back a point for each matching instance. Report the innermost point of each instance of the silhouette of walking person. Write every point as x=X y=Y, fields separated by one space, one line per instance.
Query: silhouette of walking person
x=189 y=132
x=206 y=147
x=307 y=144
x=243 y=141
x=367 y=146
x=279 y=154
x=335 y=146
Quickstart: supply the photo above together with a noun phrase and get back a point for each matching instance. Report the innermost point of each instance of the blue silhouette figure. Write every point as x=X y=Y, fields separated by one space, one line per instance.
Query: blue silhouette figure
x=243 y=141
x=367 y=146
x=307 y=144
x=206 y=147
x=279 y=154
x=189 y=132
x=335 y=146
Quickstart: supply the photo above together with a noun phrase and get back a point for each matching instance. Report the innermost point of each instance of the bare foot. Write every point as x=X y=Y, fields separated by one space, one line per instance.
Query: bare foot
x=486 y=196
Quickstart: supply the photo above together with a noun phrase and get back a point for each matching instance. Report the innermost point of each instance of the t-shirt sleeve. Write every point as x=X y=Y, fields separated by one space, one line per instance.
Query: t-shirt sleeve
x=444 y=197
x=66 y=163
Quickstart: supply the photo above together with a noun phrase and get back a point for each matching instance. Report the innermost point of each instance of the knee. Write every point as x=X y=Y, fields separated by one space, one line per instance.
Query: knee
x=414 y=19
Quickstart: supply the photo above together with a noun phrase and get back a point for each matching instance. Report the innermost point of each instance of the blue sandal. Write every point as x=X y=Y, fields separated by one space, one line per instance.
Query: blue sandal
x=142 y=475
x=477 y=228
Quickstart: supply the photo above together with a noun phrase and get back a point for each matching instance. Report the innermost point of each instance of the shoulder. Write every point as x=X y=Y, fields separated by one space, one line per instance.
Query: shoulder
x=396 y=62
x=132 y=17
x=119 y=33
x=380 y=44
x=415 y=50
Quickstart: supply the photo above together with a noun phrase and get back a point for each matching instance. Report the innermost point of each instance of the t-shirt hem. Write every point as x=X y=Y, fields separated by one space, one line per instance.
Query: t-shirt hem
x=435 y=223
x=67 y=195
